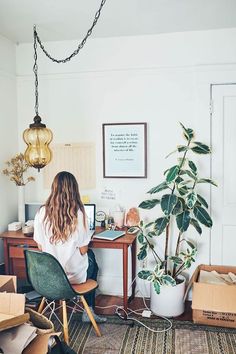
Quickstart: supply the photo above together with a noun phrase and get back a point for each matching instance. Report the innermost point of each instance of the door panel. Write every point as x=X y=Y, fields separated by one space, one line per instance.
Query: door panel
x=223 y=234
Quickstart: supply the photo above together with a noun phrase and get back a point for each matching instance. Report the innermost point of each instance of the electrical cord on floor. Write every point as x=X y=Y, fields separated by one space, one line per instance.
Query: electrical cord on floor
x=121 y=308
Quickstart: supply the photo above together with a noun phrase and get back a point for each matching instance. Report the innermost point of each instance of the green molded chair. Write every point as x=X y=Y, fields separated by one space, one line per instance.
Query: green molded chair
x=49 y=279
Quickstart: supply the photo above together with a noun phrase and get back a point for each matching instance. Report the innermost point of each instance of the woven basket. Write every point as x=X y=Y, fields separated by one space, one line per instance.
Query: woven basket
x=42 y=323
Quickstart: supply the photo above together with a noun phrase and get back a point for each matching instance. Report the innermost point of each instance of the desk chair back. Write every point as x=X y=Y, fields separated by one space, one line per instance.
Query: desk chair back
x=49 y=279
x=47 y=276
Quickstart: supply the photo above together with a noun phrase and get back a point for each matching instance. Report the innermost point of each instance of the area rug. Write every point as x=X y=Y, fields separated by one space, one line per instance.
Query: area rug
x=128 y=337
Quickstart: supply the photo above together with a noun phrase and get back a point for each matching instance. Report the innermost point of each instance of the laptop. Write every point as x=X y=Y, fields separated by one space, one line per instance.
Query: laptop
x=90 y=210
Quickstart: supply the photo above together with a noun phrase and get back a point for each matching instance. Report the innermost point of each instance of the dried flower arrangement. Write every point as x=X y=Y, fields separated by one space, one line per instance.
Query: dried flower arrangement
x=16 y=167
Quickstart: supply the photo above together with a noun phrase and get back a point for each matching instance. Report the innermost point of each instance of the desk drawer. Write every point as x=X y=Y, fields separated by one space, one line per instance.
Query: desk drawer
x=18 y=252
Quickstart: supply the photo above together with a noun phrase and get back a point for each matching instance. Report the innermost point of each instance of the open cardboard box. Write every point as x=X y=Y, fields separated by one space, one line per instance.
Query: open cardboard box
x=12 y=314
x=12 y=305
x=213 y=304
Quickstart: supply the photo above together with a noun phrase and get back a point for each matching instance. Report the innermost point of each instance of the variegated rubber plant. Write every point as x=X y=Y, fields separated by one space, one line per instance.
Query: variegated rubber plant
x=180 y=201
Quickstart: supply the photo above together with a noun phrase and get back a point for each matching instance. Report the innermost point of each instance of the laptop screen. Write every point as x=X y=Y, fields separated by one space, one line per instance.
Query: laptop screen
x=90 y=210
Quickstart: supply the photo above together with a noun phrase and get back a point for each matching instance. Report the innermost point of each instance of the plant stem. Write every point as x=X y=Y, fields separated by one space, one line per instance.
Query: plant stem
x=178 y=243
x=153 y=251
x=167 y=227
x=176 y=252
x=181 y=268
x=166 y=246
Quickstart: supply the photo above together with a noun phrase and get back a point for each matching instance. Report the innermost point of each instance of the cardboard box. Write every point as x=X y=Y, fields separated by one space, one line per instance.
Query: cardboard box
x=214 y=304
x=12 y=305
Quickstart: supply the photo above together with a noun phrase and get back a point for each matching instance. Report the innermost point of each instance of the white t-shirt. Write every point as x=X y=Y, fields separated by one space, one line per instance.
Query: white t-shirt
x=67 y=253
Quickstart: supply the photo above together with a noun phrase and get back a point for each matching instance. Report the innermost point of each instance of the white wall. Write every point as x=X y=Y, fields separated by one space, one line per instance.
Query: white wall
x=8 y=133
x=160 y=80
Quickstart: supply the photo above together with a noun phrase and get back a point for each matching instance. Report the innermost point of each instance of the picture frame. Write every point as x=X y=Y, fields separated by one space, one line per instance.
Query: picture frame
x=124 y=150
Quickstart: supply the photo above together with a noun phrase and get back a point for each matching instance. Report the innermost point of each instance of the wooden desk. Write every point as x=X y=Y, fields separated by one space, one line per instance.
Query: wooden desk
x=14 y=243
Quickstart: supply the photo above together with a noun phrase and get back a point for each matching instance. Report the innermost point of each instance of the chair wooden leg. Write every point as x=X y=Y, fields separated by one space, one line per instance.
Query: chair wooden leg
x=61 y=310
x=90 y=315
x=65 y=322
x=41 y=305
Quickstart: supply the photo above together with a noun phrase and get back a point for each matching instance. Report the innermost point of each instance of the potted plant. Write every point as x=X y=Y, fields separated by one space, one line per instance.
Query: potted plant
x=180 y=204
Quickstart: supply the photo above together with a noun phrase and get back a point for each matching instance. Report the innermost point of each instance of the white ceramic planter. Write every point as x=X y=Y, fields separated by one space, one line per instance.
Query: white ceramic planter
x=170 y=301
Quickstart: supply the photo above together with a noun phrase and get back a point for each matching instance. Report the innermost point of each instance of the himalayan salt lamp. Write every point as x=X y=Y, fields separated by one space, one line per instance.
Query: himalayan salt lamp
x=132 y=217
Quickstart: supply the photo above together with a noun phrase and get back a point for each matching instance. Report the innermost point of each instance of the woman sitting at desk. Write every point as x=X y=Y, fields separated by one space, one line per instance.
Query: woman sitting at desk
x=61 y=229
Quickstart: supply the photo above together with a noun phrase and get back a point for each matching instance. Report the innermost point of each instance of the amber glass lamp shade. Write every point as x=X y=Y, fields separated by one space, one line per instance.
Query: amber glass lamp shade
x=38 y=137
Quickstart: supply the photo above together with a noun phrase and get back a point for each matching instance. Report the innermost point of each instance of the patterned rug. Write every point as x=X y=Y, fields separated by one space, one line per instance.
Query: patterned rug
x=128 y=337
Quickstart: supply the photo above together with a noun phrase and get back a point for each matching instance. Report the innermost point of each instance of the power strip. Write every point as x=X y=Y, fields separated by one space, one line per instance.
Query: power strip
x=146 y=313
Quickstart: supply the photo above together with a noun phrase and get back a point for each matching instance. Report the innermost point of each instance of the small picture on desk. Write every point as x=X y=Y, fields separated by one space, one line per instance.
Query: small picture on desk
x=109 y=235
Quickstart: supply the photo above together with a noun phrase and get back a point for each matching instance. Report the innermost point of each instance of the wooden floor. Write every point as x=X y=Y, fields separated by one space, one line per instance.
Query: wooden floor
x=106 y=305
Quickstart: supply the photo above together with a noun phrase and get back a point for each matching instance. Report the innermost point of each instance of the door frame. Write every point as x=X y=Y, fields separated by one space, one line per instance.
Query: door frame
x=211 y=111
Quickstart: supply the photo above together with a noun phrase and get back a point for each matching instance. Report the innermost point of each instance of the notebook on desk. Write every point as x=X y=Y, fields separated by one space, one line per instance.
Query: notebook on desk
x=109 y=235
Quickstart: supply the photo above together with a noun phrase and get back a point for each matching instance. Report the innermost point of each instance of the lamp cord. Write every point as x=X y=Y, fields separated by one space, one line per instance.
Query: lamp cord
x=35 y=70
x=80 y=46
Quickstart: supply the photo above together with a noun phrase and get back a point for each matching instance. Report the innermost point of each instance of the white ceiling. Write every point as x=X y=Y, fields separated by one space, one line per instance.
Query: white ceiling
x=70 y=19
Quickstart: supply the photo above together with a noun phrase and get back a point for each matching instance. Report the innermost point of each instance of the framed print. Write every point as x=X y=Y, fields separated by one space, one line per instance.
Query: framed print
x=124 y=150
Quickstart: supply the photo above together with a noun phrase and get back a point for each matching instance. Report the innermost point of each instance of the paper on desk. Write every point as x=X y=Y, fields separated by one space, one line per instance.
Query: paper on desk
x=14 y=340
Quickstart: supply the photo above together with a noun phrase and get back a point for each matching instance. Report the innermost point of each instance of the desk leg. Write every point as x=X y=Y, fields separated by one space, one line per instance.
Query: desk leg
x=125 y=278
x=133 y=254
x=6 y=256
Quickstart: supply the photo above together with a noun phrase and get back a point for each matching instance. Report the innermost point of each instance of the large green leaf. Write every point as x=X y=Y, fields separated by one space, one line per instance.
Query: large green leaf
x=202 y=201
x=190 y=174
x=157 y=286
x=144 y=274
x=196 y=225
x=172 y=173
x=184 y=183
x=149 y=204
x=141 y=238
x=158 y=188
x=150 y=224
x=182 y=190
x=200 y=148
x=182 y=148
x=183 y=220
x=160 y=225
x=191 y=244
x=178 y=180
x=176 y=260
x=191 y=199
x=151 y=234
x=168 y=280
x=192 y=166
x=188 y=132
x=178 y=209
x=133 y=229
x=142 y=253
x=168 y=202
x=171 y=153
x=207 y=180
x=202 y=216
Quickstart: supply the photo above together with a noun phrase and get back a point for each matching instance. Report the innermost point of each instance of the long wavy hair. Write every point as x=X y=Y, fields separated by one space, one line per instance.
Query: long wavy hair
x=61 y=207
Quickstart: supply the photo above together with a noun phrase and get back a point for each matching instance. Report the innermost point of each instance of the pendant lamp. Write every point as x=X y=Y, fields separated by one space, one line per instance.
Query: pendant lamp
x=38 y=137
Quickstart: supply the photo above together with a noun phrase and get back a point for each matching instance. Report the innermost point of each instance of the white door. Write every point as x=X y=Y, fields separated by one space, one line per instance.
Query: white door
x=223 y=198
